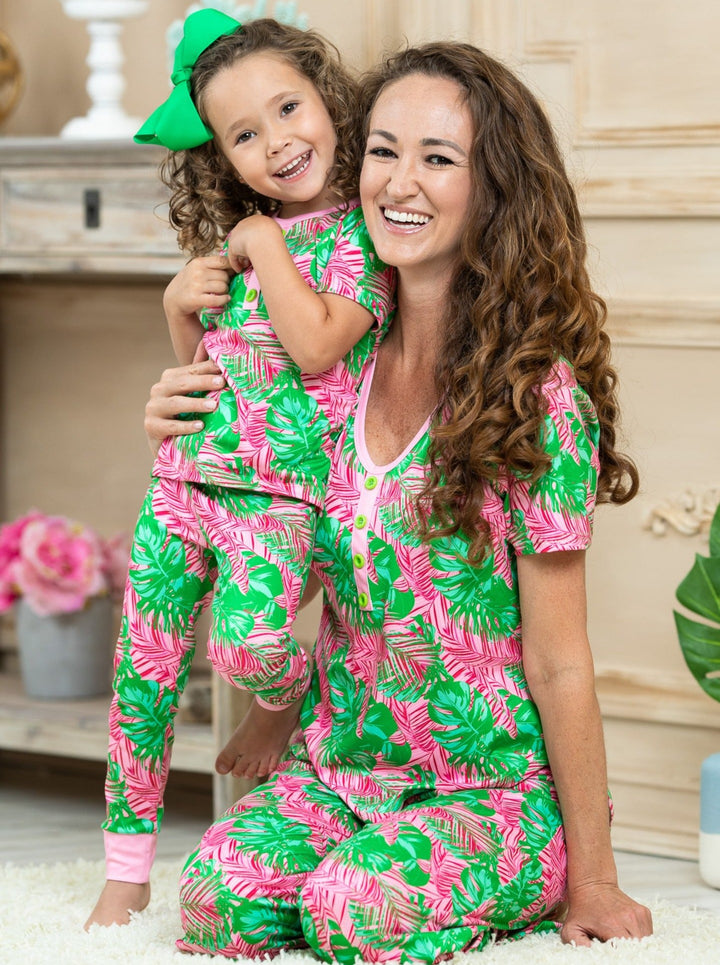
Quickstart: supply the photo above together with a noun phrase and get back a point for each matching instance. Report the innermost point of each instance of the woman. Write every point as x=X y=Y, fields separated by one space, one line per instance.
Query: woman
x=451 y=780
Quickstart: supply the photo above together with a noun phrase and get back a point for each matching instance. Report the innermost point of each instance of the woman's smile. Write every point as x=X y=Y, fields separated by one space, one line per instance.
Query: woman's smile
x=415 y=184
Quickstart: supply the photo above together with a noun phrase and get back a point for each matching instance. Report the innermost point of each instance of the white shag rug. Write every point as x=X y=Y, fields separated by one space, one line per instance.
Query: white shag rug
x=43 y=907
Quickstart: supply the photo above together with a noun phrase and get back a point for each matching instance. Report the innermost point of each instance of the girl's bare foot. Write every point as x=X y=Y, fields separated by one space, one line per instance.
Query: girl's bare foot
x=259 y=741
x=116 y=901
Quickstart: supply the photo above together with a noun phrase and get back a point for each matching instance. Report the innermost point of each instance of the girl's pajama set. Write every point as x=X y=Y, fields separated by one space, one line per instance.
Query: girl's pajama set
x=231 y=513
x=417 y=815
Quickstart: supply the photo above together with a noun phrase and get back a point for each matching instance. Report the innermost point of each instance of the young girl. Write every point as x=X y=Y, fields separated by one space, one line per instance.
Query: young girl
x=263 y=118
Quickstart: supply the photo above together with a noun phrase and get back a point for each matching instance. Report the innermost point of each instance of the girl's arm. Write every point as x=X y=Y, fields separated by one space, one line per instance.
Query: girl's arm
x=202 y=283
x=316 y=329
x=559 y=670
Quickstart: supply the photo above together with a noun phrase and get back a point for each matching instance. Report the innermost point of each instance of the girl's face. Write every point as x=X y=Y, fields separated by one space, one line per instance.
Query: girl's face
x=415 y=184
x=272 y=125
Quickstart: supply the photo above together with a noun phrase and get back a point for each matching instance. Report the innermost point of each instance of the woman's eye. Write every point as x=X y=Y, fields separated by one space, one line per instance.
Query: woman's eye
x=288 y=108
x=439 y=160
x=382 y=152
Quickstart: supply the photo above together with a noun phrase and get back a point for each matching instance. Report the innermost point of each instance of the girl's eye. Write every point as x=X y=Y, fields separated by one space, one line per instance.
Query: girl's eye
x=288 y=108
x=381 y=152
x=244 y=137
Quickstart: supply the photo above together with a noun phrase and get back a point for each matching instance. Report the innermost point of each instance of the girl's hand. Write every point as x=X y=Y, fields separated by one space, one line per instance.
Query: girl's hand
x=258 y=229
x=171 y=396
x=603 y=911
x=202 y=283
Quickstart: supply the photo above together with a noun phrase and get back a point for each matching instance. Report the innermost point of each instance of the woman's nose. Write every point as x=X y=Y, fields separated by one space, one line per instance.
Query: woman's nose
x=402 y=180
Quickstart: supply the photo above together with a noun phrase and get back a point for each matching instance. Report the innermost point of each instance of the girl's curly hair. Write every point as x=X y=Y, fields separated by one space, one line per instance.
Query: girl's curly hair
x=207 y=199
x=520 y=297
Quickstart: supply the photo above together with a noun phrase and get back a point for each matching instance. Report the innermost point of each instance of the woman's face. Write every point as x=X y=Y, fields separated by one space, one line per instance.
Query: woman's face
x=415 y=184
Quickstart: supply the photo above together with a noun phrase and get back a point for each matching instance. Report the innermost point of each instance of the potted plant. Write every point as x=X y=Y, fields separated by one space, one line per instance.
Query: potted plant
x=62 y=578
x=700 y=643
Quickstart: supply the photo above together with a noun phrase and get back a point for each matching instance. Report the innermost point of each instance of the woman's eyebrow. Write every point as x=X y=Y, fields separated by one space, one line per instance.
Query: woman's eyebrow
x=386 y=134
x=441 y=142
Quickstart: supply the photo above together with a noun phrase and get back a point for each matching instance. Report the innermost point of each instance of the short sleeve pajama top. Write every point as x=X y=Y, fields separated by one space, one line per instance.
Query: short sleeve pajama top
x=420 y=685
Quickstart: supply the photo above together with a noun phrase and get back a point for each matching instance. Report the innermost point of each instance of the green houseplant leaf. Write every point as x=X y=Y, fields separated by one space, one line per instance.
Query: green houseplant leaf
x=700 y=592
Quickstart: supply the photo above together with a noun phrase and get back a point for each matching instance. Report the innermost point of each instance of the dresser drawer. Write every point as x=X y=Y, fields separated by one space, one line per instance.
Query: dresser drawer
x=105 y=209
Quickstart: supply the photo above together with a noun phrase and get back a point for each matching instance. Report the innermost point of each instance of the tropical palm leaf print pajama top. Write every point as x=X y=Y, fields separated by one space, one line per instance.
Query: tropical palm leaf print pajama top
x=233 y=509
x=418 y=815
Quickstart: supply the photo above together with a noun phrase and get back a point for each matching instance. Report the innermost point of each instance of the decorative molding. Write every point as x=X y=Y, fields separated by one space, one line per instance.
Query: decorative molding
x=636 y=194
x=574 y=55
x=688 y=513
x=665 y=324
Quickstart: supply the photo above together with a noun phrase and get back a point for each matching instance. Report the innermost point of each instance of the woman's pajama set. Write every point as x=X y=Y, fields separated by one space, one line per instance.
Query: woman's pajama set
x=417 y=815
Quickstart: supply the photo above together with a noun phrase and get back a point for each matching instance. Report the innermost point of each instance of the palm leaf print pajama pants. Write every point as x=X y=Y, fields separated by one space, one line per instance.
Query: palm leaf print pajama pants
x=290 y=865
x=253 y=550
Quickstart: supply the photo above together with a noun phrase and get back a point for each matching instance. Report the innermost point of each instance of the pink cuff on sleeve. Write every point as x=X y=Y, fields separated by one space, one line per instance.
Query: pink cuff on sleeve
x=129 y=857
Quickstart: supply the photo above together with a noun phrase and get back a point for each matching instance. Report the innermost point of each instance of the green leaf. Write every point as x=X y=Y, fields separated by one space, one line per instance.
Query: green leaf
x=715 y=533
x=700 y=645
x=700 y=590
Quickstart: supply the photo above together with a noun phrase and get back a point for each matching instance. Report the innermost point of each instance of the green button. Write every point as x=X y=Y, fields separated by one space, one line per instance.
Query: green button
x=359 y=560
x=251 y=295
x=361 y=521
x=371 y=482
x=363 y=599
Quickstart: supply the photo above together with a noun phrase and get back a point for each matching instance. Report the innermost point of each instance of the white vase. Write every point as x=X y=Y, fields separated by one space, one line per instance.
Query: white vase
x=66 y=654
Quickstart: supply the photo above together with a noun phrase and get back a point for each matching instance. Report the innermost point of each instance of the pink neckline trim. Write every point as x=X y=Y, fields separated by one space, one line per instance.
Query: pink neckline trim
x=313 y=214
x=359 y=429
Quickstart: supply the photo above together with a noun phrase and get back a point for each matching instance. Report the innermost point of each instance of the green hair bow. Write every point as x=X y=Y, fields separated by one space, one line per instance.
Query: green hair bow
x=176 y=124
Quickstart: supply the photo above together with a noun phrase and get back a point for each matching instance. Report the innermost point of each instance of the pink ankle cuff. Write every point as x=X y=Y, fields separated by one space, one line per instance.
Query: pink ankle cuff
x=129 y=857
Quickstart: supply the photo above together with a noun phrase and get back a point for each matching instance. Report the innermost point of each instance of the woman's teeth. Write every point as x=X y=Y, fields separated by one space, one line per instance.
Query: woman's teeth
x=298 y=166
x=406 y=217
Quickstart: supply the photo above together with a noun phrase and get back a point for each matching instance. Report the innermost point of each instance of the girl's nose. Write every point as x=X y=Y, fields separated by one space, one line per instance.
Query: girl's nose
x=277 y=140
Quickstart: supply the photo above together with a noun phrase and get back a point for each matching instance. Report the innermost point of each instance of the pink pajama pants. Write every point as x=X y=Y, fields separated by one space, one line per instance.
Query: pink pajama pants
x=250 y=552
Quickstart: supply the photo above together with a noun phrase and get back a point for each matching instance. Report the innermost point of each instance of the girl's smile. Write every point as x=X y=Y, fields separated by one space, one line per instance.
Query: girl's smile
x=272 y=125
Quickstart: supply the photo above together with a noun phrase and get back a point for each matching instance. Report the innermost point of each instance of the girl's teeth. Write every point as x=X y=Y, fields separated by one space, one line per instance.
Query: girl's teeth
x=294 y=167
x=404 y=217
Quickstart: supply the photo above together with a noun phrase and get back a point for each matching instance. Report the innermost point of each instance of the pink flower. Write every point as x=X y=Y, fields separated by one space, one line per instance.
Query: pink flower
x=60 y=565
x=10 y=536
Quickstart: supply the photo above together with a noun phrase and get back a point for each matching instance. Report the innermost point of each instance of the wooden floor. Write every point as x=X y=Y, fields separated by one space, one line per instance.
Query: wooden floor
x=51 y=809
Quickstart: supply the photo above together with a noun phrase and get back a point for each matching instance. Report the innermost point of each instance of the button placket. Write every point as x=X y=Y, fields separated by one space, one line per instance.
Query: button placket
x=369 y=494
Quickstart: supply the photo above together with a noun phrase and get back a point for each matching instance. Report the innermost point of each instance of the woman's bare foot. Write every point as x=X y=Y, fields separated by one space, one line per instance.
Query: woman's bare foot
x=259 y=741
x=116 y=901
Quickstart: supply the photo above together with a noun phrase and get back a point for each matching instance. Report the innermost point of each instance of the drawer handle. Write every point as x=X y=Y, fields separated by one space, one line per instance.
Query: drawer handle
x=91 y=199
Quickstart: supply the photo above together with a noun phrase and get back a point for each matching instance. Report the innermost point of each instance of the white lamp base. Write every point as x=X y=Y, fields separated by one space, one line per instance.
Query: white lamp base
x=106 y=118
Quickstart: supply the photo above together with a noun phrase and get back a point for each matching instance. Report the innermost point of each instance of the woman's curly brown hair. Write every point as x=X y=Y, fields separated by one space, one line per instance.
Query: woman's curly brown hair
x=207 y=199
x=520 y=297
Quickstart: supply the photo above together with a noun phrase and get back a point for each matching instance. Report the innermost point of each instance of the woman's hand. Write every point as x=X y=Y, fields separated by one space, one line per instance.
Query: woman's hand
x=601 y=910
x=171 y=396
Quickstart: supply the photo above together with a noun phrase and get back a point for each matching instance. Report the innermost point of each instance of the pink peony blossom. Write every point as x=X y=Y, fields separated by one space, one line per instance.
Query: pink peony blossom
x=10 y=536
x=60 y=565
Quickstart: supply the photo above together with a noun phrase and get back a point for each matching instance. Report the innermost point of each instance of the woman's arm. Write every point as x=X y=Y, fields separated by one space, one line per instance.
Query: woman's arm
x=316 y=329
x=559 y=670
